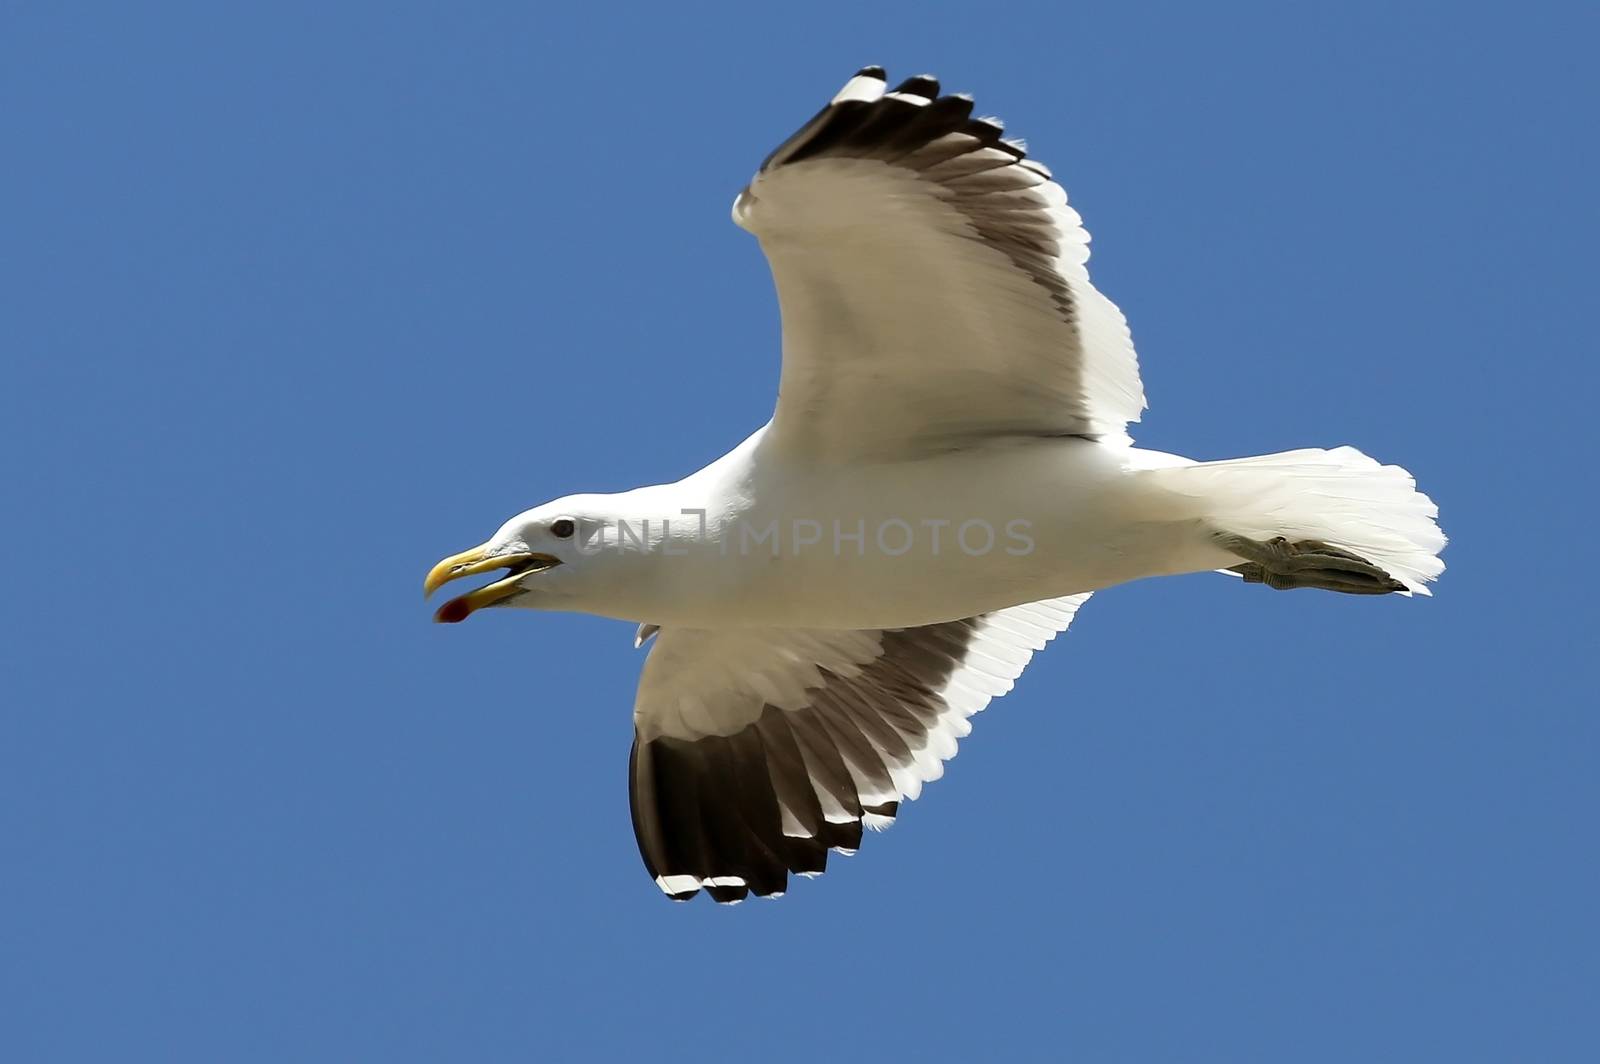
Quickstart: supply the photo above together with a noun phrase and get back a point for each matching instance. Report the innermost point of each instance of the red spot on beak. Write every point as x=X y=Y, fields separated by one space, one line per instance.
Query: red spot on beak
x=452 y=611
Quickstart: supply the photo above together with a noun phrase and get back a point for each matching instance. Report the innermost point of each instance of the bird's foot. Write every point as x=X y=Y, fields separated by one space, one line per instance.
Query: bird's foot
x=1282 y=564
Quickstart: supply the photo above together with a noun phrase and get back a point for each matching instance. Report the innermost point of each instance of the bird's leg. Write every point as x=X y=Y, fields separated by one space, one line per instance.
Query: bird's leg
x=1280 y=564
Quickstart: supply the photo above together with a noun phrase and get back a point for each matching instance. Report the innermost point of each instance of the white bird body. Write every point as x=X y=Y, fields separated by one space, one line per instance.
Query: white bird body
x=885 y=544
x=946 y=478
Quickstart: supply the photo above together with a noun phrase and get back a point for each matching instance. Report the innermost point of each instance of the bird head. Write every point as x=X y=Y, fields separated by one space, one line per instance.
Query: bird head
x=539 y=552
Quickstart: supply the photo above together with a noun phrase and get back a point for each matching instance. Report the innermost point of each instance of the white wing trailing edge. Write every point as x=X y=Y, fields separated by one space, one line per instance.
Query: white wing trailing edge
x=757 y=751
x=932 y=282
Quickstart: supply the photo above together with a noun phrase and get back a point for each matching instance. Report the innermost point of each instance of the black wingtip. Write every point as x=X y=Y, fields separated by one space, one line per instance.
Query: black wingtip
x=727 y=895
x=842 y=838
x=924 y=85
x=872 y=72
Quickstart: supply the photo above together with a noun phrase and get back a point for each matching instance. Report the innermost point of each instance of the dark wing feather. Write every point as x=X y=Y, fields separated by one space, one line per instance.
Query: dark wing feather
x=731 y=793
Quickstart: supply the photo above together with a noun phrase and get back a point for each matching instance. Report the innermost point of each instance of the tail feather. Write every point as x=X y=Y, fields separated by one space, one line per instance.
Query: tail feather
x=1341 y=497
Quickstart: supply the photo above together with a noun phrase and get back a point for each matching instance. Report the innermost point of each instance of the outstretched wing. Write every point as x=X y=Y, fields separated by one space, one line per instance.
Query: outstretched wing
x=756 y=751
x=932 y=283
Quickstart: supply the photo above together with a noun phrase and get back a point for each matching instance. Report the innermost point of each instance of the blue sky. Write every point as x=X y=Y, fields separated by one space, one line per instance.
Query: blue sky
x=299 y=300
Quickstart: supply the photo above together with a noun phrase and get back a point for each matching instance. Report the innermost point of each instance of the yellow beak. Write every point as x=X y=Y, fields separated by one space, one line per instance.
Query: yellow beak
x=478 y=560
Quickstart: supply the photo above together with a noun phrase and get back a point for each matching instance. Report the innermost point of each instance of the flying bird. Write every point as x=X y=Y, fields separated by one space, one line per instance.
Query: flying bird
x=946 y=477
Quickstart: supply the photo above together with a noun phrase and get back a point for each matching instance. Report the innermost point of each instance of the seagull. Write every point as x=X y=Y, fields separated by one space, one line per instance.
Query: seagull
x=946 y=478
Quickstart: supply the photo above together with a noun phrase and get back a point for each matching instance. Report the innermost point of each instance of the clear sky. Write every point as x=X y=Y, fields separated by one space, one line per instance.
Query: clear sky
x=295 y=302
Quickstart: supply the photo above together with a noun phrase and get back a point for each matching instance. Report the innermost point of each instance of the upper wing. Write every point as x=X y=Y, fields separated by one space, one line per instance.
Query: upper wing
x=756 y=751
x=932 y=283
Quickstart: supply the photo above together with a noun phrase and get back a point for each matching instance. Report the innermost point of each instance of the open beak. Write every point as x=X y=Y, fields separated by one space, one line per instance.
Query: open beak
x=477 y=560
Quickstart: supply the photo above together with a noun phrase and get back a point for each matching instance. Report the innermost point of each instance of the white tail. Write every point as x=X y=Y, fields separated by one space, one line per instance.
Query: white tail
x=1341 y=497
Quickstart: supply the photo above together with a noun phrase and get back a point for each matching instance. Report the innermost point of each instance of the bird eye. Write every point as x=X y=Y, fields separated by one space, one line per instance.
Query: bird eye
x=563 y=528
